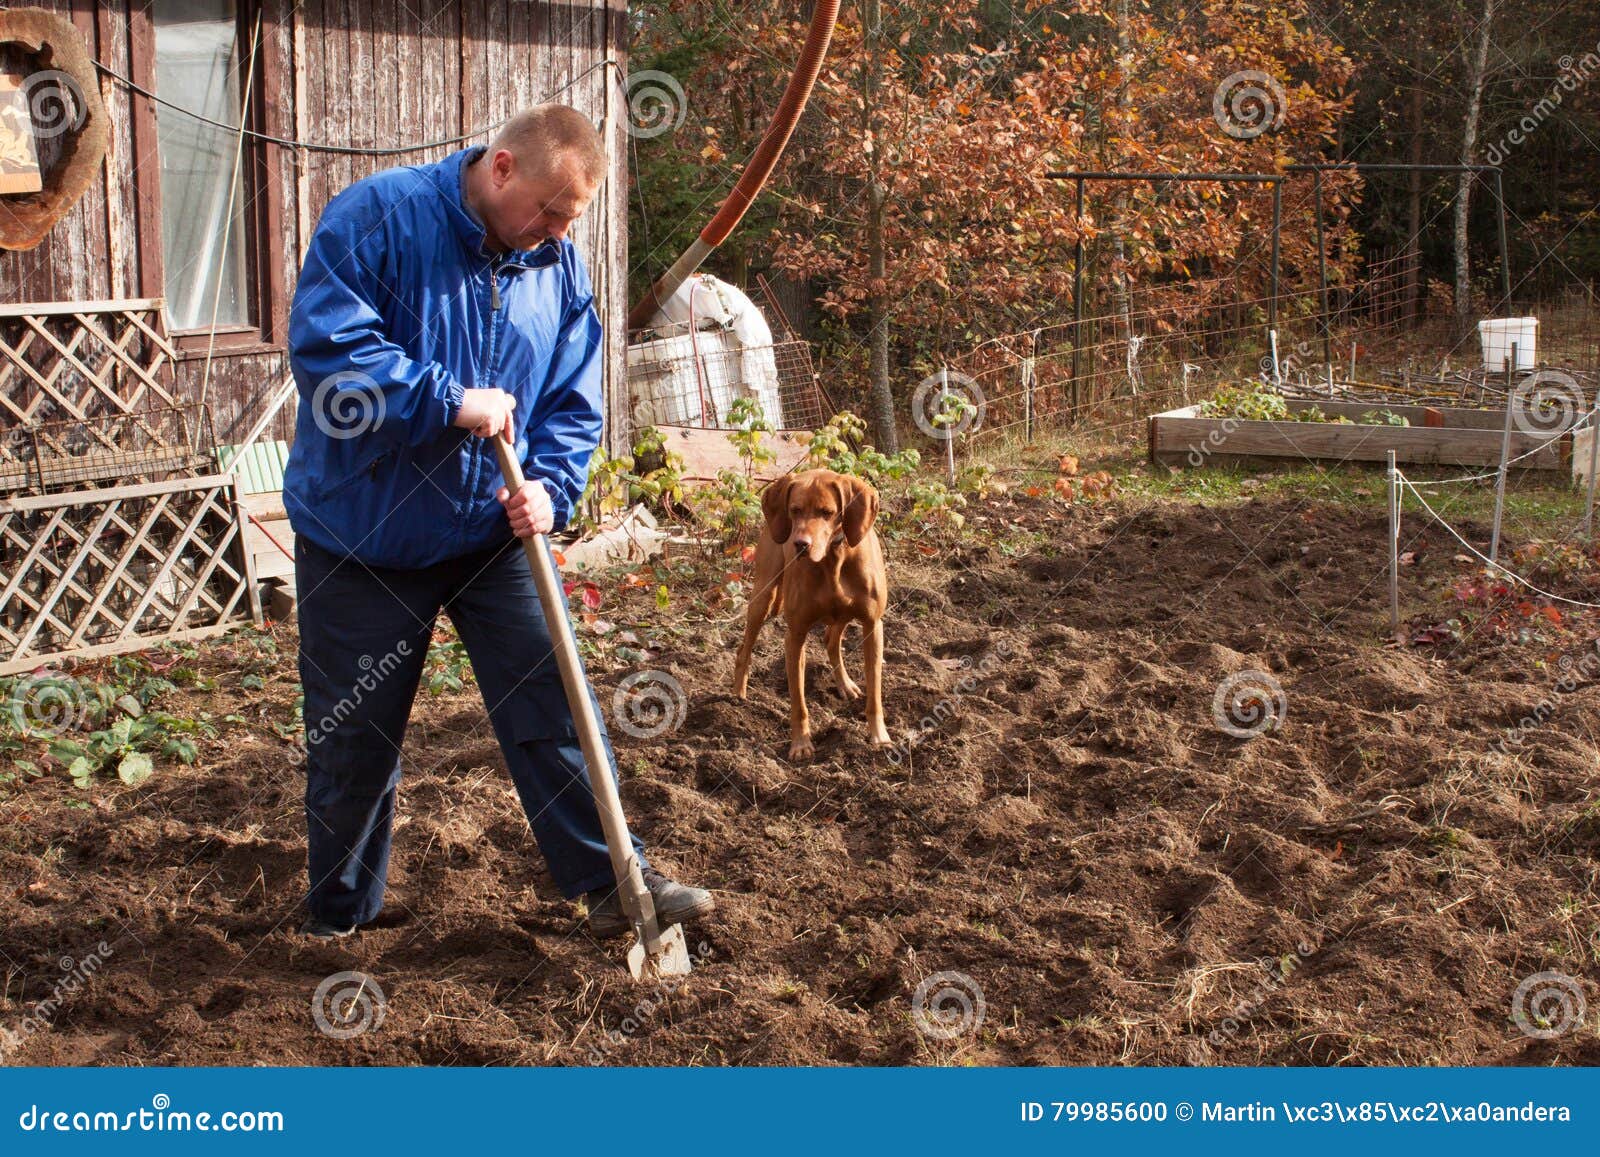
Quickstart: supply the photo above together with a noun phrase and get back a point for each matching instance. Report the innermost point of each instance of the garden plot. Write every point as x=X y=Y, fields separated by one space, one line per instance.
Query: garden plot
x=1117 y=878
x=1430 y=435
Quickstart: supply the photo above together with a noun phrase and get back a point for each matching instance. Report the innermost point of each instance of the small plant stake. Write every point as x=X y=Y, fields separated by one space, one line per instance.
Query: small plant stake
x=951 y=409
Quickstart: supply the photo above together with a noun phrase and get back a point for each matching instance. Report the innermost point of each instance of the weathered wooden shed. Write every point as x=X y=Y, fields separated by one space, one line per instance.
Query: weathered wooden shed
x=165 y=289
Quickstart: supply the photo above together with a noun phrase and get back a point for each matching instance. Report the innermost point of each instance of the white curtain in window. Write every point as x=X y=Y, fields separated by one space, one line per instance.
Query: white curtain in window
x=197 y=68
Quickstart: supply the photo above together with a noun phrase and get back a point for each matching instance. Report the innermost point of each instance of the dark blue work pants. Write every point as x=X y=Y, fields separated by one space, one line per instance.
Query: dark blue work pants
x=364 y=635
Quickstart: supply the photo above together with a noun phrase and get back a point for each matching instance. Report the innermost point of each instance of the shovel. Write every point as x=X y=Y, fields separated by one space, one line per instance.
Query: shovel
x=654 y=952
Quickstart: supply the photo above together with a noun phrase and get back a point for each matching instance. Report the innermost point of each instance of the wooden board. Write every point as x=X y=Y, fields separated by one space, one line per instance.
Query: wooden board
x=1182 y=438
x=263 y=539
x=707 y=451
x=101 y=571
x=1583 y=449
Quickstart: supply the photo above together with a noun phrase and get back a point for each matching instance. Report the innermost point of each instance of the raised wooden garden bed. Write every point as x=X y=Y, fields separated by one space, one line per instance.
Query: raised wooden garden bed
x=1463 y=438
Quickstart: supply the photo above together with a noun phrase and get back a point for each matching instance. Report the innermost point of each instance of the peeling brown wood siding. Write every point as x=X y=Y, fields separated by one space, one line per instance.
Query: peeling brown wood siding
x=375 y=73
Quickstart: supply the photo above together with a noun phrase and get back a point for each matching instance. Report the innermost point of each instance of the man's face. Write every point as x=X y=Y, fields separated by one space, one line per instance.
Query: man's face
x=522 y=208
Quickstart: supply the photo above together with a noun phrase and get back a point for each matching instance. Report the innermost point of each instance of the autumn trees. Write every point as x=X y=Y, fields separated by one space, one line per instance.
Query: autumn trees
x=914 y=201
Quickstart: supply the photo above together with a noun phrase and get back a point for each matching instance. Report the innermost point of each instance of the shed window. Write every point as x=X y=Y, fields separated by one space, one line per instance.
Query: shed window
x=197 y=67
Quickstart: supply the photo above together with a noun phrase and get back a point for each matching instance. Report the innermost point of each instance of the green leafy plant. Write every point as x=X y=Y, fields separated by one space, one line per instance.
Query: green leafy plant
x=1252 y=401
x=652 y=474
x=749 y=424
x=447 y=667
x=976 y=479
x=935 y=505
x=128 y=746
x=841 y=446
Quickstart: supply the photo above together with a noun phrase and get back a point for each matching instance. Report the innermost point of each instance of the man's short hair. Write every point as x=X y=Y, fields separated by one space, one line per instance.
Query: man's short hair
x=547 y=133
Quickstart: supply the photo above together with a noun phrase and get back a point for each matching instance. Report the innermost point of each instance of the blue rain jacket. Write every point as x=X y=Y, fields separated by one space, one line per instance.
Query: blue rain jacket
x=398 y=310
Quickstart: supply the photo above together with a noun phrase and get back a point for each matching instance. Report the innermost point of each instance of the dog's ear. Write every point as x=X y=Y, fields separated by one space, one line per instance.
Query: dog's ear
x=775 y=508
x=860 y=506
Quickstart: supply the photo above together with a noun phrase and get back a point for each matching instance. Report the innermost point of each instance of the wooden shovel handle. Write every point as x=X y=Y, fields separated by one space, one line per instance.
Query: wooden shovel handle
x=636 y=899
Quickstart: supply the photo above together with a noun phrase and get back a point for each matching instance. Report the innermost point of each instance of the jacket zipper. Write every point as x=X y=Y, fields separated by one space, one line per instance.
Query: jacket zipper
x=477 y=450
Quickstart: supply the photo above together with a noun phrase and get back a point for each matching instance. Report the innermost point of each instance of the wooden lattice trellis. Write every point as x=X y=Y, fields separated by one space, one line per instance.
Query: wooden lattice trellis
x=153 y=549
x=82 y=359
x=101 y=571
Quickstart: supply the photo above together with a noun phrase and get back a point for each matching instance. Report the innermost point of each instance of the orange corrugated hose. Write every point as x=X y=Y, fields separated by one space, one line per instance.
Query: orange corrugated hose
x=756 y=172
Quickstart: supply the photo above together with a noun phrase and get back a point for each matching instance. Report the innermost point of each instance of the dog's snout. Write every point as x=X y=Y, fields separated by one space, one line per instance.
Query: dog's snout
x=802 y=543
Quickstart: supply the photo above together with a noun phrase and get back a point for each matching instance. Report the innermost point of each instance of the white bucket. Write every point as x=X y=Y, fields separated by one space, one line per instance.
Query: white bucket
x=1500 y=333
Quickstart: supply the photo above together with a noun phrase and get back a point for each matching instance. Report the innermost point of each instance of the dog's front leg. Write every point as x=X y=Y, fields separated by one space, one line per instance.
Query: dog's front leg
x=799 y=719
x=755 y=615
x=841 y=679
x=872 y=655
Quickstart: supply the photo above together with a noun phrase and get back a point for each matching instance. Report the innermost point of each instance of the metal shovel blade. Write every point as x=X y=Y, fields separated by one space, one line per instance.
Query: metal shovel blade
x=671 y=957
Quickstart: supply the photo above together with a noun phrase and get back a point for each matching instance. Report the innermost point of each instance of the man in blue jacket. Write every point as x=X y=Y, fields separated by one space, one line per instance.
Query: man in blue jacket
x=440 y=305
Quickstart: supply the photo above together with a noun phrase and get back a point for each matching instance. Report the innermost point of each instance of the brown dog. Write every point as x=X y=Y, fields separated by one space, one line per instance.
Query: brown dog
x=819 y=561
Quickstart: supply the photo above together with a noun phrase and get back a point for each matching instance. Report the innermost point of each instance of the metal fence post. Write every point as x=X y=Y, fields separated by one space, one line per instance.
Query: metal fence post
x=1394 y=547
x=1594 y=461
x=949 y=431
x=1505 y=454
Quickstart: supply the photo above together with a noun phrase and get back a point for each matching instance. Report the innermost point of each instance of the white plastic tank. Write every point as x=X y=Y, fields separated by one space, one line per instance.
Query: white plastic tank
x=718 y=349
x=1499 y=334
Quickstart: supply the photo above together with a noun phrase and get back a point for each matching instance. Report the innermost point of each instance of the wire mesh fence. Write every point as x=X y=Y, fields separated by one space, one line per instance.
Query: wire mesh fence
x=107 y=449
x=684 y=376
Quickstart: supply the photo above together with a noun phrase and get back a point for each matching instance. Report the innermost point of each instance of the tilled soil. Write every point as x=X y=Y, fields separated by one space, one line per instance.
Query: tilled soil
x=1110 y=875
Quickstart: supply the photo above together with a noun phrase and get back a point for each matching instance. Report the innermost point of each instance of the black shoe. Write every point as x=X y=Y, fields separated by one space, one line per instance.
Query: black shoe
x=675 y=904
x=322 y=930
